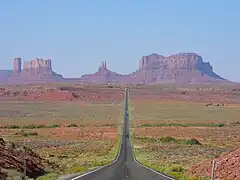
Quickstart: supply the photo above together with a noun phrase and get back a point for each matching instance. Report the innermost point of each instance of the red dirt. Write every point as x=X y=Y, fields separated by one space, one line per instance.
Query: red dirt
x=227 y=166
x=51 y=96
x=98 y=93
x=61 y=94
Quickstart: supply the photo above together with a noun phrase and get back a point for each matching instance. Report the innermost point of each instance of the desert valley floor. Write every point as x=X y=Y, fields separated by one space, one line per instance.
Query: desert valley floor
x=65 y=129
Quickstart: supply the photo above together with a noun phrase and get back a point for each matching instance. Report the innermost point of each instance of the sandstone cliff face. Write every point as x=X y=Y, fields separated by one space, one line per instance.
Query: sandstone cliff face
x=188 y=61
x=179 y=68
x=38 y=66
x=33 y=71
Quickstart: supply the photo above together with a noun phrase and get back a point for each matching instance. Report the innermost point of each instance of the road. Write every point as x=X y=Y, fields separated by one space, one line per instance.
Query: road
x=124 y=167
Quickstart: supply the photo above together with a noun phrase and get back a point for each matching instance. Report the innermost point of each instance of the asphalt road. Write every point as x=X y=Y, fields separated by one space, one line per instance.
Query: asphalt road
x=124 y=167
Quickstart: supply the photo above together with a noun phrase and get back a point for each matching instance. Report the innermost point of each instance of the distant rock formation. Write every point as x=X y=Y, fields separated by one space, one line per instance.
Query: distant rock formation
x=17 y=65
x=103 y=75
x=181 y=68
x=181 y=61
x=178 y=68
x=33 y=71
x=37 y=64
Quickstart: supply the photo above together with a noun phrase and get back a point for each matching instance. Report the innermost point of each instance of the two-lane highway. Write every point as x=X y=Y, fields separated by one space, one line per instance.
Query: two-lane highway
x=124 y=167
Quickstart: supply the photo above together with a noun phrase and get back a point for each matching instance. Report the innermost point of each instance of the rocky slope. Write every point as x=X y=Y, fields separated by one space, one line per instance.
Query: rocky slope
x=227 y=167
x=11 y=157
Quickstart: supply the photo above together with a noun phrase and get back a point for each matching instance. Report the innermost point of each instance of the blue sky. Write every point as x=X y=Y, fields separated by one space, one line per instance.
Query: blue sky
x=79 y=34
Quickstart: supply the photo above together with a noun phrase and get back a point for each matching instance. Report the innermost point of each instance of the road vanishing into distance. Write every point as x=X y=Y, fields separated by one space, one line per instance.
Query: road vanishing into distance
x=125 y=167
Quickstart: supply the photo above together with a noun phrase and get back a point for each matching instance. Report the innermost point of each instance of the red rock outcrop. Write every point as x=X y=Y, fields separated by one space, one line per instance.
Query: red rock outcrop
x=11 y=157
x=227 y=167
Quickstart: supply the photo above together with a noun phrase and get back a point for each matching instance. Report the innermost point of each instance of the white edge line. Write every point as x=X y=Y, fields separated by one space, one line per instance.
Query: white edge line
x=161 y=174
x=117 y=157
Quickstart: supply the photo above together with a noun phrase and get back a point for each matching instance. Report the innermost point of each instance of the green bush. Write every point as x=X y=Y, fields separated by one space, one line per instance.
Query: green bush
x=34 y=126
x=168 y=139
x=192 y=142
x=26 y=134
x=11 y=127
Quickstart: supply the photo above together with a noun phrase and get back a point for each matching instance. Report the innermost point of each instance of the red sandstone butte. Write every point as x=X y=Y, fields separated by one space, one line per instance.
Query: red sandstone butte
x=181 y=68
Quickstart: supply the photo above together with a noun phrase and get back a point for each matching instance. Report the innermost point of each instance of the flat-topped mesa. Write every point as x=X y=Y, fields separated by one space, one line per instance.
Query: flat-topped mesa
x=37 y=64
x=189 y=61
x=181 y=63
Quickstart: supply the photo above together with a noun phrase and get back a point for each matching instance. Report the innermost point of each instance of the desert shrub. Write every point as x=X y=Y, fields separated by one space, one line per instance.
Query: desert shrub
x=50 y=176
x=12 y=127
x=32 y=133
x=192 y=142
x=72 y=125
x=30 y=126
x=177 y=169
x=34 y=126
x=77 y=169
x=53 y=125
x=41 y=126
x=168 y=139
x=145 y=139
x=67 y=88
x=111 y=125
x=220 y=125
x=25 y=134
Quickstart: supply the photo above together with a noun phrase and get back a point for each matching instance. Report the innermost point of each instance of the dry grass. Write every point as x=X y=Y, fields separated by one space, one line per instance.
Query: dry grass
x=183 y=112
x=48 y=128
x=20 y=112
x=216 y=128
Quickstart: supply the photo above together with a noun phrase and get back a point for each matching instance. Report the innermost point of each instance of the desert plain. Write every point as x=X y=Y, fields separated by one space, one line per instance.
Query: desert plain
x=68 y=129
